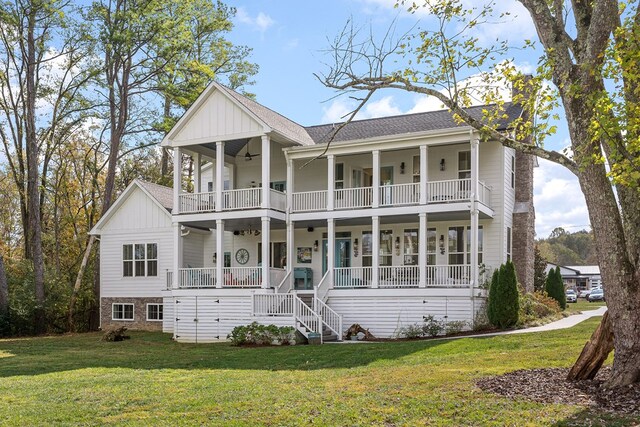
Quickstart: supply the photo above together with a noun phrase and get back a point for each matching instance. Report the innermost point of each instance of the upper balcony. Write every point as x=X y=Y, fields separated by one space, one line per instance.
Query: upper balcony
x=448 y=191
x=232 y=200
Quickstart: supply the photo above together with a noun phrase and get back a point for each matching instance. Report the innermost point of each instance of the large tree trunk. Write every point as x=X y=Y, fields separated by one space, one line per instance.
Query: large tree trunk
x=594 y=353
x=4 y=290
x=33 y=194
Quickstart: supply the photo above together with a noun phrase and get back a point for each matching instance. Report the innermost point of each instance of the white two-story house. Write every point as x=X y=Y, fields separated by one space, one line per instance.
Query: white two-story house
x=396 y=219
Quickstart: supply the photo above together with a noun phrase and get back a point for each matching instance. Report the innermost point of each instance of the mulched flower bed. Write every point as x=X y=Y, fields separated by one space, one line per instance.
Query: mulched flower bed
x=551 y=386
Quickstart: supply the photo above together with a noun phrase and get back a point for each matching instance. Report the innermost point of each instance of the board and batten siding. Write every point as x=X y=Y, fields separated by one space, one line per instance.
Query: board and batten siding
x=139 y=220
x=217 y=117
x=509 y=194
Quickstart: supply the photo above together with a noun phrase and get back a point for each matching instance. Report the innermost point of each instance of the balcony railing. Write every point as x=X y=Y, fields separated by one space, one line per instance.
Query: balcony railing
x=232 y=200
x=449 y=191
x=402 y=276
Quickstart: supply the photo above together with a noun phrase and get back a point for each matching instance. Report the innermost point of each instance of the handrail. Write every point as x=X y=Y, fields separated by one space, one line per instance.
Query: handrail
x=308 y=318
x=322 y=293
x=284 y=280
x=329 y=317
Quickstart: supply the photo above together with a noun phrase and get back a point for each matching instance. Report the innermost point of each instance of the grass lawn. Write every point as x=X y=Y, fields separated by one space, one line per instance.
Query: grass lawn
x=584 y=305
x=151 y=380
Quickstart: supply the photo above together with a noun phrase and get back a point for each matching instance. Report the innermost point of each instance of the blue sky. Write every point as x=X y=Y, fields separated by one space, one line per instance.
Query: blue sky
x=289 y=40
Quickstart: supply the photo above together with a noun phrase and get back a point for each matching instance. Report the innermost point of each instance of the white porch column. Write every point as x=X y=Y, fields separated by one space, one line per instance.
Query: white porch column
x=375 y=251
x=376 y=179
x=290 y=244
x=219 y=252
x=266 y=171
x=197 y=173
x=177 y=179
x=422 y=249
x=177 y=254
x=424 y=158
x=289 y=186
x=266 y=241
x=331 y=181
x=474 y=213
x=219 y=174
x=331 y=250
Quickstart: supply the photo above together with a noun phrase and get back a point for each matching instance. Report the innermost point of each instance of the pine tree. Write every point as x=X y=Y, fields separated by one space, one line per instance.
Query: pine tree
x=555 y=288
x=503 y=297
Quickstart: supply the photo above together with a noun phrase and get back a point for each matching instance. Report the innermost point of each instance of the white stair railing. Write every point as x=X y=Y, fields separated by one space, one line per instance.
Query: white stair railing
x=329 y=317
x=272 y=305
x=322 y=290
x=307 y=320
x=286 y=284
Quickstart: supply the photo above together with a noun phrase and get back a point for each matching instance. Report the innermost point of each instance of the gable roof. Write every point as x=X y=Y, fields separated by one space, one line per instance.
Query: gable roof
x=161 y=195
x=407 y=123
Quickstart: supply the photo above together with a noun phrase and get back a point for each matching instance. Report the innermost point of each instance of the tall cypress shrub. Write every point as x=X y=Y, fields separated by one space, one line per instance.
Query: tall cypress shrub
x=503 y=297
x=554 y=287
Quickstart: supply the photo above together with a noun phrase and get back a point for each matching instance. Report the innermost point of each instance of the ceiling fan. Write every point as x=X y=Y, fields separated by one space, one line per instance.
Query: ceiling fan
x=248 y=156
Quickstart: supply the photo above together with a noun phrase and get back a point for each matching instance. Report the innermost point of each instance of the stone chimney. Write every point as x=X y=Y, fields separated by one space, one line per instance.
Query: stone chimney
x=524 y=216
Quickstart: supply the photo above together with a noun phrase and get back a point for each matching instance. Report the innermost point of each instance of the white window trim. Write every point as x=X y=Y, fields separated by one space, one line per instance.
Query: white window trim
x=146 y=260
x=159 y=304
x=133 y=312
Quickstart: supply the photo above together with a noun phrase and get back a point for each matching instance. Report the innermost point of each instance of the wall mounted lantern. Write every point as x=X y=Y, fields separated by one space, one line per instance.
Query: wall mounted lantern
x=355 y=247
x=315 y=246
x=402 y=168
x=397 y=245
x=442 y=244
x=442 y=165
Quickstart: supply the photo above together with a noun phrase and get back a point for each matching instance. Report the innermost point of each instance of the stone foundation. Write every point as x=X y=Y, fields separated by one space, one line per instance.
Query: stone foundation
x=139 y=321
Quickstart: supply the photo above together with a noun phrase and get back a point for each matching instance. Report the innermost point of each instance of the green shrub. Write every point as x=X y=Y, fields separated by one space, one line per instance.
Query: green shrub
x=554 y=287
x=432 y=327
x=455 y=326
x=411 y=331
x=257 y=334
x=536 y=306
x=503 y=297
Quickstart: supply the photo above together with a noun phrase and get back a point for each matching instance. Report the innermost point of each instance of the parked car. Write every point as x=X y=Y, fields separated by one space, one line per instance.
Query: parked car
x=571 y=295
x=596 y=295
x=584 y=293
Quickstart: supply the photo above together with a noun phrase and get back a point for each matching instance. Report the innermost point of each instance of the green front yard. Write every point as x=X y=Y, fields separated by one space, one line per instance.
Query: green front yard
x=152 y=380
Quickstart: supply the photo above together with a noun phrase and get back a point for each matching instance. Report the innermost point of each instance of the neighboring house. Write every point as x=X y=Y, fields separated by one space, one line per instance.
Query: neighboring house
x=398 y=218
x=579 y=277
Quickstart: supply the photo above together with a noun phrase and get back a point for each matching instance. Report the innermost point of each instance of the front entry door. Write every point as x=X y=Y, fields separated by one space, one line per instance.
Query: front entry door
x=342 y=257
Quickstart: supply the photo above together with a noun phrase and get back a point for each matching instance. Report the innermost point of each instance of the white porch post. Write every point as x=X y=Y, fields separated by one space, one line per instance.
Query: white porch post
x=331 y=249
x=376 y=179
x=375 y=251
x=474 y=213
x=422 y=249
x=219 y=174
x=289 y=186
x=290 y=244
x=424 y=157
x=177 y=254
x=331 y=181
x=177 y=179
x=266 y=231
x=219 y=252
x=197 y=173
x=266 y=172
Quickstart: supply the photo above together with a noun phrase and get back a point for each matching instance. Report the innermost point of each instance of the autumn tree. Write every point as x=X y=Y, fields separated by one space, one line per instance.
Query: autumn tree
x=539 y=271
x=588 y=68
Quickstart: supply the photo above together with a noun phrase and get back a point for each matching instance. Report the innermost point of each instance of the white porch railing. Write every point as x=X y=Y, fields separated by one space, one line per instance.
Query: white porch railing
x=309 y=201
x=197 y=202
x=169 y=279
x=453 y=190
x=329 y=317
x=352 y=277
x=323 y=287
x=448 y=275
x=196 y=277
x=307 y=320
x=351 y=198
x=399 y=276
x=242 y=277
x=272 y=304
x=286 y=284
x=484 y=193
x=244 y=198
x=278 y=200
x=400 y=194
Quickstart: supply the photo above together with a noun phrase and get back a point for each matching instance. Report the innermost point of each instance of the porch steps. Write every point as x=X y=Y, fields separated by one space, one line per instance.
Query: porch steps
x=327 y=334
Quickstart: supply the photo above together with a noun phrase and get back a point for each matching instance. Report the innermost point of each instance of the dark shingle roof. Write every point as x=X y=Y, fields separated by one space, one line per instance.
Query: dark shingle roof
x=408 y=123
x=164 y=195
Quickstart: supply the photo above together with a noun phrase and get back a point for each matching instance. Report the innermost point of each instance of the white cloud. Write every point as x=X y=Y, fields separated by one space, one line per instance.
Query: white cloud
x=262 y=22
x=558 y=200
x=340 y=108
